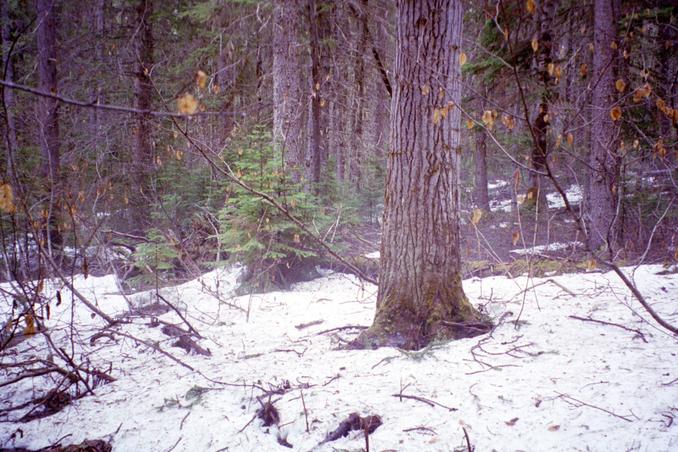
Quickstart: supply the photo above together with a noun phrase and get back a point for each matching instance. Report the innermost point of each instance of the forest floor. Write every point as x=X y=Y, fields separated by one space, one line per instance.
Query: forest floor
x=573 y=364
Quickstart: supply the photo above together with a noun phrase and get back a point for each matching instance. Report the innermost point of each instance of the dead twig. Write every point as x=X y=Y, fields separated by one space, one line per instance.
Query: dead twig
x=174 y=308
x=303 y=403
x=565 y=397
x=468 y=441
x=340 y=328
x=429 y=402
x=603 y=322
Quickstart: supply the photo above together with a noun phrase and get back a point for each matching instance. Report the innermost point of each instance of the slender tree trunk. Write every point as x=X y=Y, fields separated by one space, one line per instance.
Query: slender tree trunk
x=289 y=105
x=11 y=142
x=421 y=298
x=358 y=140
x=98 y=23
x=314 y=152
x=482 y=195
x=603 y=160
x=143 y=94
x=48 y=116
x=225 y=78
x=338 y=95
x=542 y=121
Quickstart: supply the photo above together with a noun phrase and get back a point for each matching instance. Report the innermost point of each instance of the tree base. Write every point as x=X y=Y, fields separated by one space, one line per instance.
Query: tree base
x=411 y=337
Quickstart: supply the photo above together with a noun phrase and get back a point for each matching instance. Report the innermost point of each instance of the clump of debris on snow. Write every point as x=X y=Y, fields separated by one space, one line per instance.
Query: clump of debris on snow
x=573 y=364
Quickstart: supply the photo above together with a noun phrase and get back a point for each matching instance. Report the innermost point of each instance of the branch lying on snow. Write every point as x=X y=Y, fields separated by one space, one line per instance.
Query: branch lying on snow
x=340 y=328
x=603 y=322
x=174 y=308
x=579 y=403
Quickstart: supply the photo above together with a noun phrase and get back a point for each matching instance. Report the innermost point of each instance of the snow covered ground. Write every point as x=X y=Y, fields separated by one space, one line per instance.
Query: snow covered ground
x=555 y=201
x=546 y=382
x=556 y=246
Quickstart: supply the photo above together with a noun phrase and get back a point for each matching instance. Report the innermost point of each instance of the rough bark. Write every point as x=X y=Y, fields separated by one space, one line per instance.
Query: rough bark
x=289 y=106
x=97 y=27
x=48 y=116
x=11 y=142
x=143 y=94
x=357 y=155
x=314 y=152
x=421 y=298
x=338 y=110
x=541 y=122
x=603 y=159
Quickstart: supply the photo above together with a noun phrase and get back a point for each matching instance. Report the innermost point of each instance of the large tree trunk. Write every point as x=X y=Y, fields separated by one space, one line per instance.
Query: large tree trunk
x=48 y=116
x=603 y=159
x=289 y=103
x=421 y=298
x=11 y=142
x=143 y=93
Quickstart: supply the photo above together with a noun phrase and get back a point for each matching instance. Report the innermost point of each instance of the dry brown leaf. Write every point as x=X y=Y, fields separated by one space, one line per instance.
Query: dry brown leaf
x=7 y=199
x=620 y=85
x=515 y=237
x=583 y=70
x=462 y=58
x=508 y=122
x=535 y=44
x=570 y=139
x=616 y=113
x=476 y=215
x=530 y=6
x=554 y=428
x=187 y=104
x=488 y=118
x=469 y=124
x=512 y=422
x=201 y=79
x=29 y=329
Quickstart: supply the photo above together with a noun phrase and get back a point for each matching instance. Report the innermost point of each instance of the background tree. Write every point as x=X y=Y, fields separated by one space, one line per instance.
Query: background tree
x=48 y=119
x=604 y=182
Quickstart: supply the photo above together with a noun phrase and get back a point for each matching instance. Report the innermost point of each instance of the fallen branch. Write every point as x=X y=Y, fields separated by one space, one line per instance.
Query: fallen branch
x=429 y=402
x=468 y=441
x=603 y=322
x=174 y=308
x=339 y=328
x=565 y=397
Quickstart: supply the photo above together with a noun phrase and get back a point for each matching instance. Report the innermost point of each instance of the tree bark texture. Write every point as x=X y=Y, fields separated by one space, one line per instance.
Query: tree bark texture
x=603 y=159
x=97 y=26
x=420 y=292
x=357 y=156
x=11 y=142
x=143 y=94
x=48 y=115
x=541 y=123
x=289 y=103
x=314 y=152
